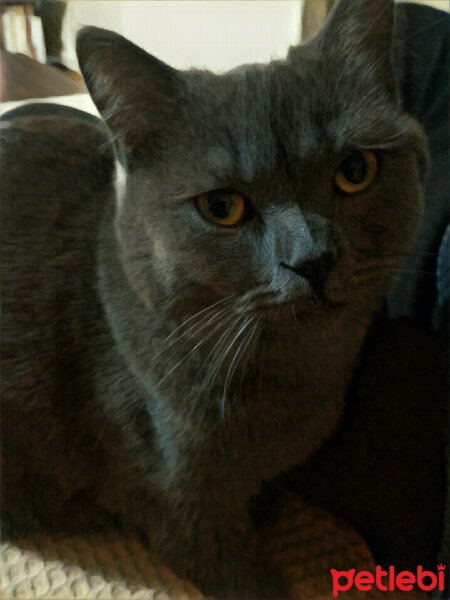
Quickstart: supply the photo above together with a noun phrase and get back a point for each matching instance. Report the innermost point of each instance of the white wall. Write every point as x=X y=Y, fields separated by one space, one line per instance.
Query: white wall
x=441 y=4
x=218 y=34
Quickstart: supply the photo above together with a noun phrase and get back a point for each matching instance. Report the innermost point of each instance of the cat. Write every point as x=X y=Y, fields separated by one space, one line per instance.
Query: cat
x=182 y=317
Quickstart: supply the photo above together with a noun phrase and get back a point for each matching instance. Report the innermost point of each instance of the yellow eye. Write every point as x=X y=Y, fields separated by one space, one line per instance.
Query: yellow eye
x=223 y=207
x=357 y=171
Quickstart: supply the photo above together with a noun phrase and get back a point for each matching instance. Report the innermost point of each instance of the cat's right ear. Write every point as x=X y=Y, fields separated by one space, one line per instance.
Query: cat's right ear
x=356 y=37
x=134 y=92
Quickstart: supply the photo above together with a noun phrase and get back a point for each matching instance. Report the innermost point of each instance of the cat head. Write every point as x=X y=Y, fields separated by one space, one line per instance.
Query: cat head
x=278 y=185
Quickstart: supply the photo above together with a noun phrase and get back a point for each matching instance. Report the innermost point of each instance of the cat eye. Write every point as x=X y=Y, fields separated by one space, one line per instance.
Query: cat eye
x=357 y=171
x=224 y=207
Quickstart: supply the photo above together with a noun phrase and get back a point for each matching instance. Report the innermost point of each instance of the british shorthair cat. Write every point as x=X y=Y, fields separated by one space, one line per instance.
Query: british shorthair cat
x=182 y=318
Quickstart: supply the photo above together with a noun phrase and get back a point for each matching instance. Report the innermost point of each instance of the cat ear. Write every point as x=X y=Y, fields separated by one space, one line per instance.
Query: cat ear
x=133 y=91
x=358 y=35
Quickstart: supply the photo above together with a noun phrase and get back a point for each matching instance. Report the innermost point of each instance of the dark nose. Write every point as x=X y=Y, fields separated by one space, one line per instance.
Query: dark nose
x=315 y=271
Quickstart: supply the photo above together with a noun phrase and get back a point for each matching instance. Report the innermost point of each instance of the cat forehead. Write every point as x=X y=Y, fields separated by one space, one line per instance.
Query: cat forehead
x=310 y=90
x=257 y=112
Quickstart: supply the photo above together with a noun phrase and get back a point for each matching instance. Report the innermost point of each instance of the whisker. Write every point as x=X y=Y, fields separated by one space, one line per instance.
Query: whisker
x=197 y=326
x=237 y=354
x=196 y=315
x=227 y=319
x=222 y=349
x=220 y=362
x=200 y=343
x=368 y=274
x=217 y=354
x=250 y=352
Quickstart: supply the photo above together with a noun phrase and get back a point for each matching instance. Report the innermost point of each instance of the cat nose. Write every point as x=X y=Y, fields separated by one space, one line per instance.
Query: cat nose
x=315 y=271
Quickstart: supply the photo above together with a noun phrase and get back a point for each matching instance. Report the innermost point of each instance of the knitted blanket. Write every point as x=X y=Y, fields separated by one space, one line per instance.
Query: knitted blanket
x=305 y=542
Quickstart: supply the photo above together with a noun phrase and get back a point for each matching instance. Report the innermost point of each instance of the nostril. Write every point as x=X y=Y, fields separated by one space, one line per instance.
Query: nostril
x=315 y=271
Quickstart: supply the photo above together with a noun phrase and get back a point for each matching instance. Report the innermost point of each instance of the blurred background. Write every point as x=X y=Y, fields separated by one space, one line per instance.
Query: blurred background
x=37 y=37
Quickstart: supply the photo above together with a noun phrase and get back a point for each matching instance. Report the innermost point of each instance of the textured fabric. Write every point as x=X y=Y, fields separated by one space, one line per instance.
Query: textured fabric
x=306 y=542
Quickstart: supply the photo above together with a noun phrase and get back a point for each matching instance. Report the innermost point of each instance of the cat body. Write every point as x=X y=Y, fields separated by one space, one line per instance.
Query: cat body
x=159 y=366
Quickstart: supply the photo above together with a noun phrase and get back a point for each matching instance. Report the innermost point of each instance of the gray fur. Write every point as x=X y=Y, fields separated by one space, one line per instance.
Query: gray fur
x=185 y=415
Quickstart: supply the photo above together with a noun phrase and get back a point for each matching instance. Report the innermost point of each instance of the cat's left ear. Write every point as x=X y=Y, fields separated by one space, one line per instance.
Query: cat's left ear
x=357 y=36
x=134 y=92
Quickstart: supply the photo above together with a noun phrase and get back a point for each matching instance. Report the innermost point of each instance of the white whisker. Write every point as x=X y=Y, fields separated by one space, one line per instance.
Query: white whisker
x=198 y=314
x=236 y=354
x=219 y=356
x=250 y=352
x=200 y=343
x=197 y=327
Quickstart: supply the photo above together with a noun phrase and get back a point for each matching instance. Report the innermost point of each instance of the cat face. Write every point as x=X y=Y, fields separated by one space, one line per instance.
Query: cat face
x=295 y=183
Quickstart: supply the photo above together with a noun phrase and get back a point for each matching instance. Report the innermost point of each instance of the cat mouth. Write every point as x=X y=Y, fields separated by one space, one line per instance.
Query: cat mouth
x=298 y=303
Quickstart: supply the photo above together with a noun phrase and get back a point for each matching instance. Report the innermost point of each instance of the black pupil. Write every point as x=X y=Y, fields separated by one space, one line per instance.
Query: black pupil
x=354 y=168
x=220 y=203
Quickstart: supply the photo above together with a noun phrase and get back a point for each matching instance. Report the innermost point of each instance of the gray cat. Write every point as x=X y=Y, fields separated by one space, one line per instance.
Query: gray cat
x=182 y=330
